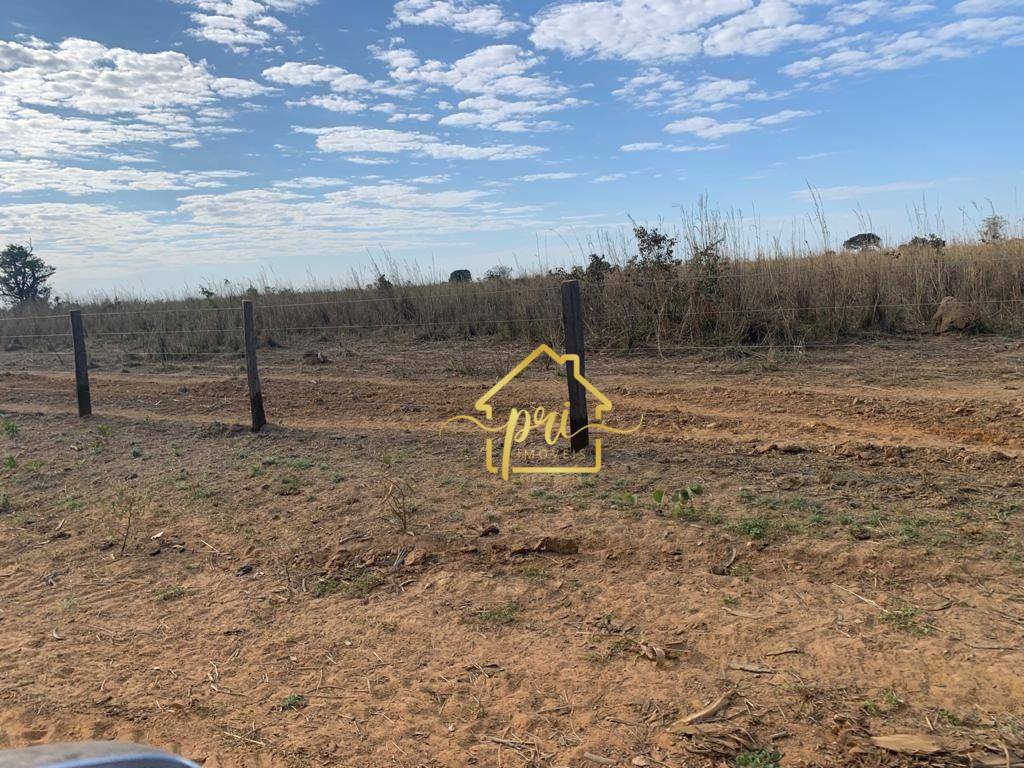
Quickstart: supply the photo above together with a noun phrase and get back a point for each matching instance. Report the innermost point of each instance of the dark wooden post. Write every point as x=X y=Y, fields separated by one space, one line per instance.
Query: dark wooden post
x=572 y=318
x=259 y=418
x=81 y=365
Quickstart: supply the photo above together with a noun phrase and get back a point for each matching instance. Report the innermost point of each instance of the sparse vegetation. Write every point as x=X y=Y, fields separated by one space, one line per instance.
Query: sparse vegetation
x=762 y=758
x=293 y=701
x=907 y=618
x=170 y=593
x=993 y=229
x=399 y=503
x=353 y=584
x=704 y=283
x=498 y=615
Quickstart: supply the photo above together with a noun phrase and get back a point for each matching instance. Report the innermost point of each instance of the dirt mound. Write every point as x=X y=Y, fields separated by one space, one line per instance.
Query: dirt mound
x=955 y=315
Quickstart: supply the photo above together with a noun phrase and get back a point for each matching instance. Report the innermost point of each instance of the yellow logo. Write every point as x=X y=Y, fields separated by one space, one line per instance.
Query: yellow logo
x=553 y=425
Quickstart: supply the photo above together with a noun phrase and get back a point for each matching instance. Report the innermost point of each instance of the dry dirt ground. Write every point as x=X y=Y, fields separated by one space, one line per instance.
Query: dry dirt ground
x=850 y=568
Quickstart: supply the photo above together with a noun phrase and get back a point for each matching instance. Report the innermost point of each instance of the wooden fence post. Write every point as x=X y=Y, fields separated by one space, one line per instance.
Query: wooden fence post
x=259 y=418
x=81 y=365
x=572 y=319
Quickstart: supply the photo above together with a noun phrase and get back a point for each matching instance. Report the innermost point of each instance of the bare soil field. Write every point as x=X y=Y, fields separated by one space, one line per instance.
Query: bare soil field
x=843 y=563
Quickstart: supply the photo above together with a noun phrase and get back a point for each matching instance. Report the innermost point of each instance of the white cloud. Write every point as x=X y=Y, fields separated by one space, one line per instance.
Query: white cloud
x=357 y=140
x=461 y=15
x=508 y=92
x=655 y=88
x=560 y=176
x=671 y=30
x=312 y=182
x=332 y=103
x=241 y=24
x=709 y=128
x=971 y=7
x=92 y=78
x=658 y=146
x=604 y=179
x=818 y=155
x=142 y=97
x=21 y=176
x=496 y=70
x=299 y=74
x=855 y=192
x=86 y=240
x=854 y=14
x=761 y=30
x=957 y=40
x=637 y=30
x=510 y=116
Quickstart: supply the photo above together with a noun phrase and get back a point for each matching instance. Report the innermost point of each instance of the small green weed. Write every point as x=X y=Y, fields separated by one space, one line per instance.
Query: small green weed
x=680 y=504
x=498 y=615
x=293 y=701
x=907 y=618
x=356 y=584
x=288 y=485
x=9 y=428
x=762 y=758
x=170 y=593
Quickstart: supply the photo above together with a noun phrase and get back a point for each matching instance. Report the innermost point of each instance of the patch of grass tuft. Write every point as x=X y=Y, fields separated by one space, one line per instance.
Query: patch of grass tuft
x=907 y=618
x=293 y=701
x=170 y=593
x=498 y=615
x=762 y=758
x=356 y=584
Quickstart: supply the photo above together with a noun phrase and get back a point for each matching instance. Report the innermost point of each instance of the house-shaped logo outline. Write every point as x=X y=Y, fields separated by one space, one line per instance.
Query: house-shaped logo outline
x=604 y=405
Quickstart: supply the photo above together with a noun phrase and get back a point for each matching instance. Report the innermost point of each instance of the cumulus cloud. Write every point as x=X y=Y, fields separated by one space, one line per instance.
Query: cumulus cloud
x=502 y=115
x=854 y=14
x=90 y=77
x=709 y=128
x=36 y=175
x=241 y=24
x=981 y=7
x=508 y=91
x=761 y=30
x=671 y=30
x=299 y=74
x=358 y=140
x=332 y=103
x=957 y=40
x=656 y=88
x=309 y=217
x=461 y=15
x=107 y=96
x=637 y=30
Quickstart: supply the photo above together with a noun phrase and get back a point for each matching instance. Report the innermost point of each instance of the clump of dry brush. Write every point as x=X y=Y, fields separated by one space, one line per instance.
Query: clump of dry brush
x=700 y=286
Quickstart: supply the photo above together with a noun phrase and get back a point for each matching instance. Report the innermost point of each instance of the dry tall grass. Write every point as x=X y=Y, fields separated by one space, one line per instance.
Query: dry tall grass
x=707 y=299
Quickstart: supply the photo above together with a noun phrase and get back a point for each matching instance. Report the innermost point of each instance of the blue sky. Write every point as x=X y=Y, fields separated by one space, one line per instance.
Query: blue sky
x=153 y=145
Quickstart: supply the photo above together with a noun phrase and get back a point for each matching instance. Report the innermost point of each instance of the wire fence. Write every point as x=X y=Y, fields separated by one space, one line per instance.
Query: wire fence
x=654 y=315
